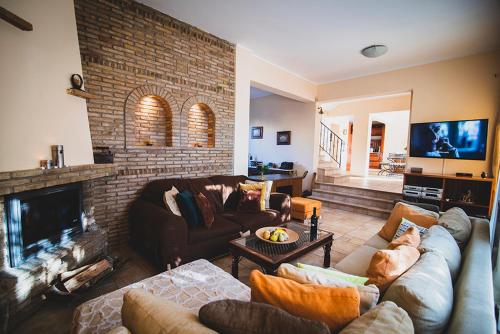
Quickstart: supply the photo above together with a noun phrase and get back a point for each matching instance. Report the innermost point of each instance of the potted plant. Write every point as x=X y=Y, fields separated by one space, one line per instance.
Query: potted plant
x=262 y=169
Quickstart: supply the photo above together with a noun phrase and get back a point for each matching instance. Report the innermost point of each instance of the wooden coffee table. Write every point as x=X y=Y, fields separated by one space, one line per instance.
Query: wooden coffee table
x=270 y=256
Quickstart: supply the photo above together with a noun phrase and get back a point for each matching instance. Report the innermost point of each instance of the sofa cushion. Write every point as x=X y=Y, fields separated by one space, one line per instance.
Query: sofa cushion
x=405 y=225
x=425 y=206
x=410 y=237
x=385 y=318
x=170 y=202
x=260 y=186
x=473 y=308
x=368 y=294
x=239 y=317
x=438 y=239
x=425 y=291
x=250 y=201
x=189 y=208
x=387 y=265
x=377 y=242
x=356 y=280
x=145 y=313
x=207 y=213
x=339 y=306
x=211 y=191
x=456 y=221
x=357 y=262
x=220 y=227
x=413 y=213
x=253 y=221
x=119 y=330
x=267 y=194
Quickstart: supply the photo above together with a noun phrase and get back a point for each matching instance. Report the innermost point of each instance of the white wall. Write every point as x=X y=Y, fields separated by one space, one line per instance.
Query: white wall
x=254 y=71
x=277 y=113
x=35 y=67
x=360 y=111
x=396 y=130
x=463 y=88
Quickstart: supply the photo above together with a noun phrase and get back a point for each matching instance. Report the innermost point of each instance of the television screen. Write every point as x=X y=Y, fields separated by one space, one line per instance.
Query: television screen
x=450 y=140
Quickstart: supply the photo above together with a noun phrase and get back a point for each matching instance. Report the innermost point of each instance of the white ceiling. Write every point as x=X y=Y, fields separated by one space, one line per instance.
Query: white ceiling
x=320 y=40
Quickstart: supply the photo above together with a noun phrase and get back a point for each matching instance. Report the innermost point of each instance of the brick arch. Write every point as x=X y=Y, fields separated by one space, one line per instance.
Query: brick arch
x=157 y=99
x=198 y=122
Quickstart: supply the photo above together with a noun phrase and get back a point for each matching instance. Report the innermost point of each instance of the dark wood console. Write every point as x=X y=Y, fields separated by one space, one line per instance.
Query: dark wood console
x=454 y=190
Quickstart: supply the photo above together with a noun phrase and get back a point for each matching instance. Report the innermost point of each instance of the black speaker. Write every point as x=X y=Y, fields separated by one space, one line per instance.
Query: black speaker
x=416 y=170
x=464 y=174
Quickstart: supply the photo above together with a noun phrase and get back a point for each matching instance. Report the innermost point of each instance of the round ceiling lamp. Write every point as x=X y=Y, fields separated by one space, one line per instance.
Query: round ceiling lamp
x=374 y=51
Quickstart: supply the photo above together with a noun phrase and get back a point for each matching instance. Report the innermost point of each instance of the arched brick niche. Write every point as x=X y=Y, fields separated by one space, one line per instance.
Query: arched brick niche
x=199 y=122
x=151 y=118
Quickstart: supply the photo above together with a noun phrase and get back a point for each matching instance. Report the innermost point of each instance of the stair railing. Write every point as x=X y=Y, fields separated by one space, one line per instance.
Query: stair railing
x=331 y=143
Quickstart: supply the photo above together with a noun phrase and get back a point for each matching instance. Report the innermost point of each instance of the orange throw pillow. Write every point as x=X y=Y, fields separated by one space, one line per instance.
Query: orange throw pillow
x=336 y=307
x=411 y=237
x=388 y=264
x=420 y=217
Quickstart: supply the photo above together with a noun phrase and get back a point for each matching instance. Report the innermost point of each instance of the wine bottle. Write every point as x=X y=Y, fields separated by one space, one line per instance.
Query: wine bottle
x=314 y=225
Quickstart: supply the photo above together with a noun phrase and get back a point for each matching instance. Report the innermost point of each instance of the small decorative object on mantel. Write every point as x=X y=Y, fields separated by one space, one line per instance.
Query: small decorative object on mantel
x=283 y=137
x=58 y=155
x=46 y=164
x=257 y=132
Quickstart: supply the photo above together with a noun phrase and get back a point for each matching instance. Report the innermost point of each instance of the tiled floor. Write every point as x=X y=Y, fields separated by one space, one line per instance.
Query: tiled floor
x=392 y=184
x=351 y=230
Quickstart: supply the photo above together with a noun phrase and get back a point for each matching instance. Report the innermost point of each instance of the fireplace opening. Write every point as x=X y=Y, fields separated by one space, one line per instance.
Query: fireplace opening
x=42 y=219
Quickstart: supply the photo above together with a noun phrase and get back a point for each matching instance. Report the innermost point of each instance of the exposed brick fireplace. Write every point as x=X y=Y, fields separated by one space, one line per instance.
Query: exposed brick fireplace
x=23 y=284
x=165 y=103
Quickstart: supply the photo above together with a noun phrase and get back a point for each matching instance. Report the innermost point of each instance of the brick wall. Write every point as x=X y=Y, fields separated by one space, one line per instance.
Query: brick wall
x=201 y=126
x=130 y=51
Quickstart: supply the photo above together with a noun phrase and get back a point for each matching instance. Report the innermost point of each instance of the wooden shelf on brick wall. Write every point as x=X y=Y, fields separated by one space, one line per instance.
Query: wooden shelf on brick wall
x=80 y=93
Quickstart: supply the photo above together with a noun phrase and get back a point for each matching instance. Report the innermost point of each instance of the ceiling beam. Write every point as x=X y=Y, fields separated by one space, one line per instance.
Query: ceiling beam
x=15 y=20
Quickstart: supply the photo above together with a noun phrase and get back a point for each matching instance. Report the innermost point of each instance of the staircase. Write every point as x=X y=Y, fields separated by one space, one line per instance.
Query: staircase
x=360 y=200
x=331 y=145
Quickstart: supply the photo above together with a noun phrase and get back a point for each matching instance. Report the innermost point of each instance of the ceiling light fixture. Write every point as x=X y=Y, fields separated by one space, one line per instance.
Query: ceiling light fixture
x=374 y=51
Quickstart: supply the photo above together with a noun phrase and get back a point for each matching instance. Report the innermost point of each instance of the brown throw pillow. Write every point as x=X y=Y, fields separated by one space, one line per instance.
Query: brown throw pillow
x=249 y=201
x=416 y=215
x=387 y=265
x=240 y=317
x=206 y=210
x=411 y=237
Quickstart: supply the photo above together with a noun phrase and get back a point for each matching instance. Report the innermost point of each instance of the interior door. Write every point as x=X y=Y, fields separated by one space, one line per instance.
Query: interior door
x=349 y=147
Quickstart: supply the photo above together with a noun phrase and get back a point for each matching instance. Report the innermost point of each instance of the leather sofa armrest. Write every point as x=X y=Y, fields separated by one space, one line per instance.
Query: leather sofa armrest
x=281 y=203
x=160 y=234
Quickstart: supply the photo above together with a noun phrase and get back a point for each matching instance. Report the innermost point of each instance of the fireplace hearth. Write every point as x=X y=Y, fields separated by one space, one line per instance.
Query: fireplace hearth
x=40 y=220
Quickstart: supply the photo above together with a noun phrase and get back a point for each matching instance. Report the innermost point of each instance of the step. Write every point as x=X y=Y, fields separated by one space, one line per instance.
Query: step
x=356 y=208
x=357 y=191
x=350 y=198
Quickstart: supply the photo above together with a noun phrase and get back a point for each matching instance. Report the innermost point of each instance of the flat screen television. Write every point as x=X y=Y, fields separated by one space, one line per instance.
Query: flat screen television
x=450 y=140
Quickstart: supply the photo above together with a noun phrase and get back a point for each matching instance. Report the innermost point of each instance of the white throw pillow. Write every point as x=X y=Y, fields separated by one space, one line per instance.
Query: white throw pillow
x=268 y=184
x=169 y=200
x=406 y=224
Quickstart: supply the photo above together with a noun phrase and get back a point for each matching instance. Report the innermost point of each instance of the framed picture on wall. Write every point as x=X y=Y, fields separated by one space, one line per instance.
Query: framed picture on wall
x=257 y=132
x=283 y=137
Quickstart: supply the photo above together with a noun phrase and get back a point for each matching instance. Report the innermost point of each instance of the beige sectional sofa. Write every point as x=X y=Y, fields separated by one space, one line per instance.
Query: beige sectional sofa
x=446 y=290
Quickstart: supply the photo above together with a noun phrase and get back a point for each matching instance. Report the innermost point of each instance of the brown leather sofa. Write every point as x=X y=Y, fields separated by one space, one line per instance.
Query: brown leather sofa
x=166 y=239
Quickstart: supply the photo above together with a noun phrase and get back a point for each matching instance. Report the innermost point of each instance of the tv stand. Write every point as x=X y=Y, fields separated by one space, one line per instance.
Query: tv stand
x=454 y=189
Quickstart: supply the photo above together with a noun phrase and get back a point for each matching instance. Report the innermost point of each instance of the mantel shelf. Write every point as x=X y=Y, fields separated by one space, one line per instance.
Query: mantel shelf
x=80 y=93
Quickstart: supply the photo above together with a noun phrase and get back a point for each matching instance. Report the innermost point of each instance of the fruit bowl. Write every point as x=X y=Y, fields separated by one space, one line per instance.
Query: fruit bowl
x=292 y=235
